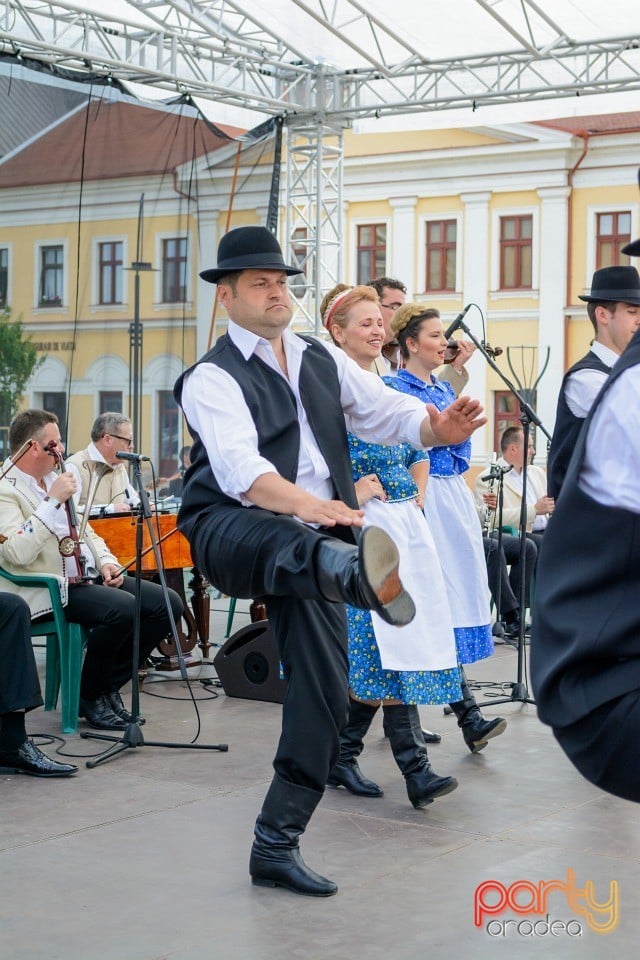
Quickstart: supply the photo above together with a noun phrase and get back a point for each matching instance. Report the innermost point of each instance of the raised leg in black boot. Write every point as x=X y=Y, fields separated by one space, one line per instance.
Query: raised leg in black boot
x=275 y=858
x=410 y=753
x=475 y=729
x=346 y=772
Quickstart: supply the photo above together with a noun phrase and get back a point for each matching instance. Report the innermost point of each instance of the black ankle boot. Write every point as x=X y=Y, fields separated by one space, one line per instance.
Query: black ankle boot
x=275 y=858
x=410 y=753
x=475 y=729
x=346 y=772
x=366 y=577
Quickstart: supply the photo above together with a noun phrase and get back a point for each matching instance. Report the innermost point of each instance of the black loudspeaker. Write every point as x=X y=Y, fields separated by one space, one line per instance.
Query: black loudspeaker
x=248 y=665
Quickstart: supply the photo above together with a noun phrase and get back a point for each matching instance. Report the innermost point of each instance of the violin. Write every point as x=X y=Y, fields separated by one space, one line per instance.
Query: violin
x=453 y=348
x=70 y=546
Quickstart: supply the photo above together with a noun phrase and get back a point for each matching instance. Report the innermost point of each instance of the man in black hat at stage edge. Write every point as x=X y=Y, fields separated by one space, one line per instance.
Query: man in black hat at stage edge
x=613 y=305
x=269 y=508
x=585 y=644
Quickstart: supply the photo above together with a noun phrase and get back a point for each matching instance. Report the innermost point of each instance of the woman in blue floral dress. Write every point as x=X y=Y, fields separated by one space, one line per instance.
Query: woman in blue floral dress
x=398 y=667
x=451 y=511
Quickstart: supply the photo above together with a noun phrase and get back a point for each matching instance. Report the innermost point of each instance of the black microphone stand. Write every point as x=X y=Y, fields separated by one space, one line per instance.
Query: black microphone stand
x=132 y=735
x=528 y=416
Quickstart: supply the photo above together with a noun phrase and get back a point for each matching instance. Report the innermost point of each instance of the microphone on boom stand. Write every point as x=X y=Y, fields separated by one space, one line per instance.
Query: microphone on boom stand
x=457 y=322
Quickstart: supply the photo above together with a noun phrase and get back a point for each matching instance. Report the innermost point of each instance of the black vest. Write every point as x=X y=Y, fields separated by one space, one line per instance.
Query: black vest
x=567 y=427
x=585 y=647
x=273 y=409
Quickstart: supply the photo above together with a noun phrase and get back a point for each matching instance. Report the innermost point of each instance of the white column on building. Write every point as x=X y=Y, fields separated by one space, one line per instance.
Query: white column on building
x=403 y=242
x=553 y=286
x=206 y=253
x=475 y=289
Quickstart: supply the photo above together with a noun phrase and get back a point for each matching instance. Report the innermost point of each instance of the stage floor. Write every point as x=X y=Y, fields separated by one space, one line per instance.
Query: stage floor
x=146 y=857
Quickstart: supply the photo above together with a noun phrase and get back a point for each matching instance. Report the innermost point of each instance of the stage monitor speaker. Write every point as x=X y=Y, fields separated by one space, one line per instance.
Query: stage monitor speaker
x=248 y=665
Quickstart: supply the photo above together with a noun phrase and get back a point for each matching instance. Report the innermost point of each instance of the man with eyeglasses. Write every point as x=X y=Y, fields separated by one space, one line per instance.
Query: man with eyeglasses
x=35 y=535
x=393 y=294
x=111 y=433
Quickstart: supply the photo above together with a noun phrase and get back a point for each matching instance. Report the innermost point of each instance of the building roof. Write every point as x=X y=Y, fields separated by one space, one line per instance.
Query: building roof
x=28 y=108
x=110 y=139
x=596 y=124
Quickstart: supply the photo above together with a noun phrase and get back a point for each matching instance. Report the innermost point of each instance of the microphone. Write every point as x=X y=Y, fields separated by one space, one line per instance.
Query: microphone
x=497 y=471
x=457 y=322
x=132 y=457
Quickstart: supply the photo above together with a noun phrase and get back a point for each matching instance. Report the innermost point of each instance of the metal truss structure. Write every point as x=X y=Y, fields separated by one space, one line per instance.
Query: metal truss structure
x=232 y=52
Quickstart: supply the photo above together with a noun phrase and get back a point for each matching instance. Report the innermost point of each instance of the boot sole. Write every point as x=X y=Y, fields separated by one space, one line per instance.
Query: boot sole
x=477 y=745
x=260 y=882
x=442 y=792
x=381 y=560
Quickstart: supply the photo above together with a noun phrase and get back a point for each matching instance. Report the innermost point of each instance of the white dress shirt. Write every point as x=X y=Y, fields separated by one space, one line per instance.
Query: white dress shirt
x=583 y=386
x=215 y=407
x=56 y=520
x=541 y=519
x=130 y=495
x=611 y=469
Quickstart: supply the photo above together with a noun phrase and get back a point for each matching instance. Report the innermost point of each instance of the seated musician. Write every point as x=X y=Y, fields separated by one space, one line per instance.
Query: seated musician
x=35 y=538
x=172 y=486
x=110 y=434
x=19 y=693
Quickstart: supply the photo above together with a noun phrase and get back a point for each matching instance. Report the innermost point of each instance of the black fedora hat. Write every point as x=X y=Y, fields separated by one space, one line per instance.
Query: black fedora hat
x=248 y=248
x=615 y=284
x=632 y=249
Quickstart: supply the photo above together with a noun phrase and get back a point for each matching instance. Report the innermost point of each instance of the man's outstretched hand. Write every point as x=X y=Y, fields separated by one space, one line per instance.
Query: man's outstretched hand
x=454 y=424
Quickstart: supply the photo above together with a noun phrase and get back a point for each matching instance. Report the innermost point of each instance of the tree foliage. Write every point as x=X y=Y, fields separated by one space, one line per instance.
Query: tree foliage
x=18 y=361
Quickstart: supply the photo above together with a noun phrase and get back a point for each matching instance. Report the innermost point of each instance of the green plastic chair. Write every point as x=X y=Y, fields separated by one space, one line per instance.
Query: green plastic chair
x=65 y=643
x=230 y=616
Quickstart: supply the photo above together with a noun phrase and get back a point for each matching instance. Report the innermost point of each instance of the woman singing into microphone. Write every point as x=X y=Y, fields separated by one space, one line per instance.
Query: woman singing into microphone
x=397 y=667
x=451 y=511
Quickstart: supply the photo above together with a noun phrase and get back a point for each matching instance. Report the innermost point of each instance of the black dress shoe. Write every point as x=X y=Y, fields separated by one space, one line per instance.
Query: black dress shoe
x=31 y=760
x=277 y=867
x=430 y=737
x=99 y=714
x=349 y=775
x=118 y=707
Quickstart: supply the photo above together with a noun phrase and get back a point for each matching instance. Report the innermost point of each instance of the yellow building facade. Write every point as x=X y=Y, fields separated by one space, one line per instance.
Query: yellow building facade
x=512 y=220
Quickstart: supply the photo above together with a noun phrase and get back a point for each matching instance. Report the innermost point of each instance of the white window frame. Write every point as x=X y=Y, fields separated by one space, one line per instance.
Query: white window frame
x=38 y=247
x=95 y=285
x=159 y=304
x=592 y=231
x=423 y=220
x=9 y=248
x=353 y=243
x=496 y=293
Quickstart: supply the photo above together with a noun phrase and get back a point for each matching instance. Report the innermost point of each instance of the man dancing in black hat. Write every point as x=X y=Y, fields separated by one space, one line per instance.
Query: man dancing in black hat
x=270 y=510
x=613 y=306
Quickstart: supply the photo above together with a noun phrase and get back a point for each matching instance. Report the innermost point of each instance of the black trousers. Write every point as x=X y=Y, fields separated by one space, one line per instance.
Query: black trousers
x=603 y=746
x=19 y=684
x=109 y=613
x=255 y=553
x=509 y=580
x=536 y=538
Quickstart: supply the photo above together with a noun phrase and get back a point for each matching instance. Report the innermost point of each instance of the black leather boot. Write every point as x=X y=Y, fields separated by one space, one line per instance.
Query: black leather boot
x=275 y=858
x=429 y=736
x=346 y=772
x=475 y=729
x=366 y=577
x=410 y=753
